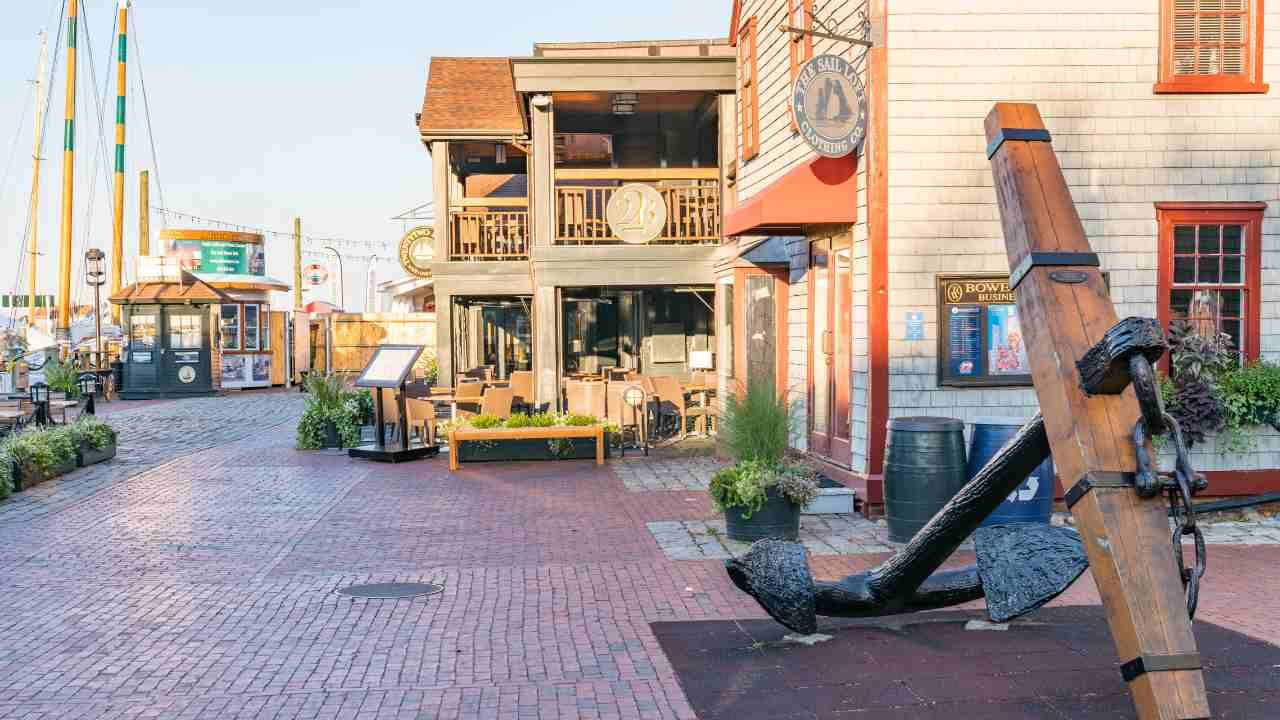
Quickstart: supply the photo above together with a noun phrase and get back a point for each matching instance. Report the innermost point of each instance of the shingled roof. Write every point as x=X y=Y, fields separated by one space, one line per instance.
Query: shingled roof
x=471 y=97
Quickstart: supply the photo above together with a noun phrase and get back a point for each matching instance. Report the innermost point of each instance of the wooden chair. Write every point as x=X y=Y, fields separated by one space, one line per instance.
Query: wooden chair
x=422 y=417
x=672 y=402
x=496 y=402
x=587 y=398
x=522 y=388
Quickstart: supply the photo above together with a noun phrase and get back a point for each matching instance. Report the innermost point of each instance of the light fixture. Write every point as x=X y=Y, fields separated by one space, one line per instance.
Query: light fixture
x=541 y=101
x=500 y=153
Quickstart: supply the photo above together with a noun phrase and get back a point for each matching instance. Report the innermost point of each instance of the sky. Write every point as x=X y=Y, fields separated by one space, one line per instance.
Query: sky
x=266 y=110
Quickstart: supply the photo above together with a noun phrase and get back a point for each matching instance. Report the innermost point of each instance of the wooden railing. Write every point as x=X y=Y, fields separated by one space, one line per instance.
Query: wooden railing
x=691 y=195
x=476 y=235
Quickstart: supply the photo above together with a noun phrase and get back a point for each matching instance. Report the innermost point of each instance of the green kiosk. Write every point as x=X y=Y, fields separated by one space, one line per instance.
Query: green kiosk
x=168 y=334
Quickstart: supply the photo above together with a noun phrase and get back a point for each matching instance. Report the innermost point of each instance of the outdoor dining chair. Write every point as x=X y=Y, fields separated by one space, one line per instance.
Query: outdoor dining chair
x=422 y=419
x=496 y=402
x=468 y=393
x=586 y=398
x=522 y=388
x=671 y=402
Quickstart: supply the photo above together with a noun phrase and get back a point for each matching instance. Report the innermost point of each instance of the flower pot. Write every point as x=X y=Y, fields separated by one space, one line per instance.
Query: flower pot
x=332 y=439
x=87 y=456
x=30 y=477
x=777 y=518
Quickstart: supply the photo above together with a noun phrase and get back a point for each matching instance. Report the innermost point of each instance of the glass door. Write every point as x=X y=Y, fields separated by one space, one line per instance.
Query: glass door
x=821 y=345
x=830 y=362
x=185 y=364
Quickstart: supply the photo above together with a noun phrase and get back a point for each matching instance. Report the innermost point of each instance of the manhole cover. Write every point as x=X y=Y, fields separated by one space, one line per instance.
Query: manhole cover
x=391 y=591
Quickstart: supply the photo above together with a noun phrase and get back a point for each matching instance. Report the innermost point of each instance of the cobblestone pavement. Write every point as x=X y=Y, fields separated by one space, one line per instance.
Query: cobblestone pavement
x=642 y=474
x=203 y=587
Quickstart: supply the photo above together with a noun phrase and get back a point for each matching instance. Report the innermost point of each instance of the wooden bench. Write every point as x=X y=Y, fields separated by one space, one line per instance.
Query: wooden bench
x=457 y=436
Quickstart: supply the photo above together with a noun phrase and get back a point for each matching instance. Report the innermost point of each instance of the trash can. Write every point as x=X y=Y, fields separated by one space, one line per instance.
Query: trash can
x=924 y=468
x=1033 y=500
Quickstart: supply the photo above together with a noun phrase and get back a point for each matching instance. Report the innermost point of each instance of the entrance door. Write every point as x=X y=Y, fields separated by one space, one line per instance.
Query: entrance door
x=830 y=365
x=185 y=365
x=141 y=365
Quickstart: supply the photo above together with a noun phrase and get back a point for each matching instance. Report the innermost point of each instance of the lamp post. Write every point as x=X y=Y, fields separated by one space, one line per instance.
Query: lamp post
x=342 y=282
x=96 y=277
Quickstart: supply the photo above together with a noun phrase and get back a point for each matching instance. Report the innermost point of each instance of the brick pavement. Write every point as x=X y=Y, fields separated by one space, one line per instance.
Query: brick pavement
x=203 y=587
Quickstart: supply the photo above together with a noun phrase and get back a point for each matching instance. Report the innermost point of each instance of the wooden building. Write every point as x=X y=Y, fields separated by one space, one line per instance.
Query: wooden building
x=529 y=271
x=888 y=265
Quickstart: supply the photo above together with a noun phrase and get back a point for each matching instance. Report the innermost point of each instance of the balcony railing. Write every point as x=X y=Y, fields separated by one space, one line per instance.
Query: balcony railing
x=478 y=234
x=692 y=198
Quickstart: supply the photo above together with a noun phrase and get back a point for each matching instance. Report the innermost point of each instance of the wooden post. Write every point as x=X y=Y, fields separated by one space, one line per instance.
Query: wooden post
x=297 y=264
x=1062 y=316
x=68 y=181
x=117 y=225
x=144 y=214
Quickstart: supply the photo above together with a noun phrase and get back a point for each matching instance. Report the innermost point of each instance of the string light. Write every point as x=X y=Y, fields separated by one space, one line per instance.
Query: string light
x=376 y=245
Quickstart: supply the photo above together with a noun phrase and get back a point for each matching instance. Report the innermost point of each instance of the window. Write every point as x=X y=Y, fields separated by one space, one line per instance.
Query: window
x=142 y=333
x=1210 y=46
x=748 y=92
x=726 y=360
x=250 y=327
x=1210 y=277
x=801 y=16
x=230 y=327
x=265 y=314
x=184 y=332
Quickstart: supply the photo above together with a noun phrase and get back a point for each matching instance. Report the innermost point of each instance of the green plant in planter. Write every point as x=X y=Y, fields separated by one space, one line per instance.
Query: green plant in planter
x=330 y=402
x=745 y=486
x=485 y=422
x=364 y=400
x=518 y=420
x=576 y=420
x=90 y=432
x=6 y=473
x=62 y=378
x=42 y=451
x=756 y=423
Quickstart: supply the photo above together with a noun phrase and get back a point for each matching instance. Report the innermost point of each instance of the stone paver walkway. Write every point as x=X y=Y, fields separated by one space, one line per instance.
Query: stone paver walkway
x=646 y=474
x=203 y=586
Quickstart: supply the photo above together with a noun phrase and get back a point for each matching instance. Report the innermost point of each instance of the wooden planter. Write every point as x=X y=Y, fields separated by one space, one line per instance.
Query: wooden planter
x=87 y=456
x=24 y=479
x=517 y=444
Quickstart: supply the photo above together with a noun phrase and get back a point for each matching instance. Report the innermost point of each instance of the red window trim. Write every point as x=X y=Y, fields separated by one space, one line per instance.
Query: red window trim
x=749 y=93
x=1248 y=214
x=1250 y=82
x=801 y=47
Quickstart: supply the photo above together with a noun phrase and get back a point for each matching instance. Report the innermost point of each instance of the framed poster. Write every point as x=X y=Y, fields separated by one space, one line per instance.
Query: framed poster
x=980 y=340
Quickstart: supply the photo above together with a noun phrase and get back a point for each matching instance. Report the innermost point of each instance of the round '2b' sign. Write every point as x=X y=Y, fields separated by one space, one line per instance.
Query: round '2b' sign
x=830 y=106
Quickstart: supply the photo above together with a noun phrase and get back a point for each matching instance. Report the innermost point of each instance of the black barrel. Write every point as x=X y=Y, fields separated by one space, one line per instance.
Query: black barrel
x=924 y=467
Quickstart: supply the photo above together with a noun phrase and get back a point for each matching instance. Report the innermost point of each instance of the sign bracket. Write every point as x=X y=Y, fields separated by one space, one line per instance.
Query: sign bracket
x=827 y=32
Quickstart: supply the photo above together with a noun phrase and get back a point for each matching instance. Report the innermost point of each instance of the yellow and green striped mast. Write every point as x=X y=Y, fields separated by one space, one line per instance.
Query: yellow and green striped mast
x=68 y=179
x=117 y=227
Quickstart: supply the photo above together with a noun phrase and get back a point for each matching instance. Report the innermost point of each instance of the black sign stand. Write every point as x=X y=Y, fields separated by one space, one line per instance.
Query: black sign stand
x=394 y=376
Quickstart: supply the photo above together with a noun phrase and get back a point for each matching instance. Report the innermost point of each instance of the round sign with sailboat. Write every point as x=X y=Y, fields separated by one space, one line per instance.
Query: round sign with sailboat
x=830 y=106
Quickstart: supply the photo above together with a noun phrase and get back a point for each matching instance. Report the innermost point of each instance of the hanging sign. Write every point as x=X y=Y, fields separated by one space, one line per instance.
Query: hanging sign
x=417 y=250
x=316 y=273
x=636 y=213
x=830 y=106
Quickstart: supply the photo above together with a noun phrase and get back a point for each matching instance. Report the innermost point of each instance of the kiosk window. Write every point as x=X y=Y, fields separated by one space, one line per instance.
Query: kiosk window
x=265 y=320
x=230 y=327
x=250 y=327
x=184 y=332
x=979 y=335
x=142 y=333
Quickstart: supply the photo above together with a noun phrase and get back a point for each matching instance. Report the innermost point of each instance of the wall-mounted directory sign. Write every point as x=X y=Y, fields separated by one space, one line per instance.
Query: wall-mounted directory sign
x=979 y=336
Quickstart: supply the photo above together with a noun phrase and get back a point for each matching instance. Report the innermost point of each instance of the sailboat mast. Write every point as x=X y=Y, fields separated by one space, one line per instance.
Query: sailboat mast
x=34 y=221
x=68 y=179
x=117 y=238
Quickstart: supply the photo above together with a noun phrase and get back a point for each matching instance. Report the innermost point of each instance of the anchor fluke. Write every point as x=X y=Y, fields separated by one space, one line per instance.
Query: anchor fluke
x=1025 y=565
x=776 y=573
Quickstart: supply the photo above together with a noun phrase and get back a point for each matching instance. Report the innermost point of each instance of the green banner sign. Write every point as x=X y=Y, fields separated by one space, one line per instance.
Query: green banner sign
x=221 y=257
x=21 y=301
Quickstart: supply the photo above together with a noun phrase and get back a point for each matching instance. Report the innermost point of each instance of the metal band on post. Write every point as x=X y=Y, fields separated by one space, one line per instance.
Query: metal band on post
x=1029 y=135
x=1144 y=664
x=1097 y=479
x=1037 y=259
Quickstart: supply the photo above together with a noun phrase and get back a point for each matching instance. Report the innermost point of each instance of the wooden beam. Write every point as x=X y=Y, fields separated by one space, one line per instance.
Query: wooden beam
x=1126 y=537
x=647 y=174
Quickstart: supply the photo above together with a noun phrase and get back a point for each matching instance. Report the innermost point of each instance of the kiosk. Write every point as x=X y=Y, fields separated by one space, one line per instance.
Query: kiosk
x=389 y=369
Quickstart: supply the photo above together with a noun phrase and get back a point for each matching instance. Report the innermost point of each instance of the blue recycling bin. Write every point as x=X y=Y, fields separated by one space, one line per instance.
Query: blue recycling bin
x=1033 y=500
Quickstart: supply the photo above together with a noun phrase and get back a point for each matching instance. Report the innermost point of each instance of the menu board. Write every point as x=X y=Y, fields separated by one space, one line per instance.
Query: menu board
x=980 y=342
x=389 y=366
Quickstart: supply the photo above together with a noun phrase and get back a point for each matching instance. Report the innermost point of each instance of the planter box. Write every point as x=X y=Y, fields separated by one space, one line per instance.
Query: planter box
x=23 y=480
x=88 y=456
x=833 y=499
x=519 y=444
x=777 y=518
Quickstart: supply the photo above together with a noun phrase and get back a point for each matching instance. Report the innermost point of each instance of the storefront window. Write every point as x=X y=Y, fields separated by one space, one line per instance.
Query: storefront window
x=250 y=327
x=184 y=332
x=761 y=313
x=265 y=314
x=142 y=332
x=727 y=359
x=230 y=327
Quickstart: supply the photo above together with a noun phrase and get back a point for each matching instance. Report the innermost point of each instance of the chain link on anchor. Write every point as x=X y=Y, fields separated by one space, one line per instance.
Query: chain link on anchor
x=1180 y=486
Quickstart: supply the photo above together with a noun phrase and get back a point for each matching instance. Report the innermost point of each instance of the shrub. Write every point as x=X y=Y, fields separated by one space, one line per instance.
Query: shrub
x=745 y=486
x=62 y=377
x=575 y=420
x=485 y=422
x=330 y=401
x=88 y=431
x=756 y=423
x=6 y=473
x=542 y=420
x=41 y=451
x=364 y=400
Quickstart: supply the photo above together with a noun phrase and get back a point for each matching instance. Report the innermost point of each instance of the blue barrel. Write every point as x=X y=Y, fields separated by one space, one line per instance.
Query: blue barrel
x=1033 y=500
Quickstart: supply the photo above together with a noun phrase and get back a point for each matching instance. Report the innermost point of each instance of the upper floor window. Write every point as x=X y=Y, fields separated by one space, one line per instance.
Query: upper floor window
x=1210 y=271
x=1210 y=46
x=800 y=16
x=748 y=91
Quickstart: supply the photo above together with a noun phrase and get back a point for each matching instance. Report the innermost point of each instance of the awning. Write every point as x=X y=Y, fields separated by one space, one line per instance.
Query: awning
x=823 y=190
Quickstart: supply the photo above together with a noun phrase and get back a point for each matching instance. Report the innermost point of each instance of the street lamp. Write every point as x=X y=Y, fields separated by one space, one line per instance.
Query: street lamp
x=96 y=277
x=342 y=282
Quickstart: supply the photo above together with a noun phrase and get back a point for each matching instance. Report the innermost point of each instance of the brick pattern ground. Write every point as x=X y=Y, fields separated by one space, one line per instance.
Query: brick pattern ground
x=203 y=587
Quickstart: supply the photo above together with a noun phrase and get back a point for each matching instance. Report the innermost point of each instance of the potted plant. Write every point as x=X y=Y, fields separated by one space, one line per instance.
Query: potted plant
x=95 y=440
x=8 y=472
x=763 y=492
x=524 y=442
x=331 y=418
x=40 y=455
